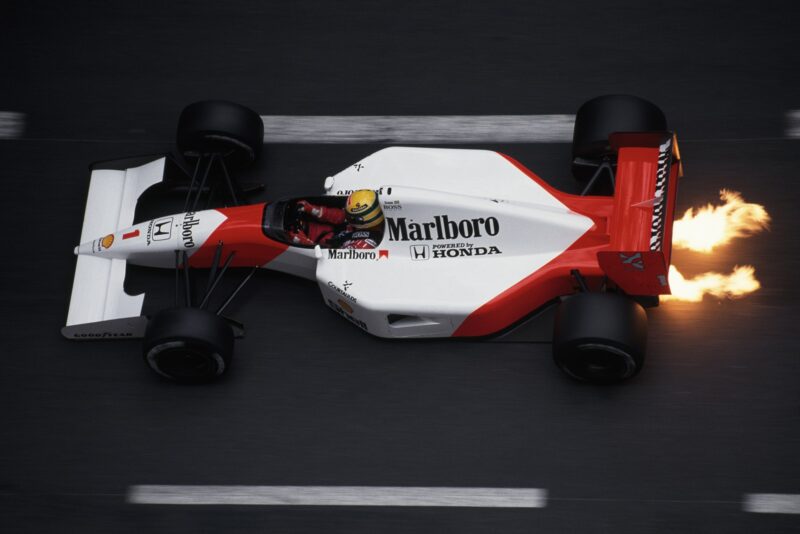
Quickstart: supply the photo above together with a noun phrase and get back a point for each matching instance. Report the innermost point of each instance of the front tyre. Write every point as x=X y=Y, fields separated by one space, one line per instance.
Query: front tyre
x=188 y=345
x=218 y=126
x=600 y=337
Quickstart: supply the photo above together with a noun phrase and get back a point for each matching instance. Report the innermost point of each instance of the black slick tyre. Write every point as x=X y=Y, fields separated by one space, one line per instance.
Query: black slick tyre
x=598 y=118
x=218 y=126
x=188 y=345
x=600 y=337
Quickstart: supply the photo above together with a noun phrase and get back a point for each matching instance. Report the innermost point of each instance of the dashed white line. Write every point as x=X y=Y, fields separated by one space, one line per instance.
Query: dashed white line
x=12 y=124
x=338 y=496
x=443 y=129
x=772 y=503
x=793 y=123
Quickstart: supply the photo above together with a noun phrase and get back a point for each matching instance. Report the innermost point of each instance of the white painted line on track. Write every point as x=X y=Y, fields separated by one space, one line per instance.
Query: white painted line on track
x=772 y=503
x=339 y=496
x=444 y=129
x=12 y=124
x=414 y=129
x=793 y=123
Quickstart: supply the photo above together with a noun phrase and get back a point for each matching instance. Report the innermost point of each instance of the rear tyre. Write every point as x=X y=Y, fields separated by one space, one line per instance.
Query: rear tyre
x=218 y=126
x=600 y=337
x=188 y=345
x=602 y=116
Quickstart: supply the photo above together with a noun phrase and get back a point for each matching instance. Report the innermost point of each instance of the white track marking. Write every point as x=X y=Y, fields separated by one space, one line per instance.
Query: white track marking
x=442 y=129
x=415 y=129
x=793 y=124
x=772 y=503
x=338 y=496
x=12 y=124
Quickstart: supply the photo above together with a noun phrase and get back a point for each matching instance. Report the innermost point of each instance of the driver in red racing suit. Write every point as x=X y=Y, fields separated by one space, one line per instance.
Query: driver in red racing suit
x=362 y=217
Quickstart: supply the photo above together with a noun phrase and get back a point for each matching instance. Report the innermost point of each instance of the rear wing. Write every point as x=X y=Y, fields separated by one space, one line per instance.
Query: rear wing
x=99 y=307
x=640 y=226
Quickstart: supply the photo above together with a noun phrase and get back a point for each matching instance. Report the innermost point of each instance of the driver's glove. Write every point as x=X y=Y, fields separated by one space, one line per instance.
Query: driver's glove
x=310 y=209
x=299 y=237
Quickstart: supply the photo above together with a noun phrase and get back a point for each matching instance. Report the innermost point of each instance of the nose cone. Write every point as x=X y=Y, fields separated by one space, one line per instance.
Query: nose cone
x=86 y=248
x=96 y=246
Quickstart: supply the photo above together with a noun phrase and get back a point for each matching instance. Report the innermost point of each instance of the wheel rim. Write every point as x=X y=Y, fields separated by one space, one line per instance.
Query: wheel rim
x=598 y=362
x=180 y=361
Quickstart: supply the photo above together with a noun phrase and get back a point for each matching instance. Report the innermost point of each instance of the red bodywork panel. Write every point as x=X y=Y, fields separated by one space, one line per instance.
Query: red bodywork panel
x=553 y=279
x=243 y=230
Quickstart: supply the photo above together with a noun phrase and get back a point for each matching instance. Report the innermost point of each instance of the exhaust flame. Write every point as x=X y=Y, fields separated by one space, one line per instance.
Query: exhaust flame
x=708 y=227
x=737 y=284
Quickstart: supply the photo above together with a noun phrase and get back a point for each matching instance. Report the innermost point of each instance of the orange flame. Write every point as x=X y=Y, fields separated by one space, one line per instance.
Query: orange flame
x=737 y=284
x=708 y=227
x=711 y=226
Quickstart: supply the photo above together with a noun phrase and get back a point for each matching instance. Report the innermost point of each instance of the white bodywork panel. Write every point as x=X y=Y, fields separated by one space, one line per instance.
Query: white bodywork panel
x=97 y=289
x=477 y=173
x=421 y=284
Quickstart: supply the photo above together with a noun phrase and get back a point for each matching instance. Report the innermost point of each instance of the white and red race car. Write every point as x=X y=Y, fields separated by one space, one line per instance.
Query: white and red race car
x=472 y=243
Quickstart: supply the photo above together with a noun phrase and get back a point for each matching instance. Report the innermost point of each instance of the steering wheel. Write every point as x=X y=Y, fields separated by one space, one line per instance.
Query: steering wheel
x=297 y=222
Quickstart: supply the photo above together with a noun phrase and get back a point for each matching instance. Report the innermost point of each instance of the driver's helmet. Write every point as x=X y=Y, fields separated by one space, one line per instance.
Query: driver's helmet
x=363 y=210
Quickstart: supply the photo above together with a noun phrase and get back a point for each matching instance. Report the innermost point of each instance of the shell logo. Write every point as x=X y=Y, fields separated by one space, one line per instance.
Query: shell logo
x=345 y=306
x=107 y=241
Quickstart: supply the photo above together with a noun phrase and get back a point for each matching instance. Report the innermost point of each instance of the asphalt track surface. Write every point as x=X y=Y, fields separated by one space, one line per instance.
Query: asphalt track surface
x=313 y=401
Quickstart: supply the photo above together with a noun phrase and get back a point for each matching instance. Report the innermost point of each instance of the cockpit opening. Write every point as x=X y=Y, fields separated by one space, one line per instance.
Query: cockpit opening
x=355 y=221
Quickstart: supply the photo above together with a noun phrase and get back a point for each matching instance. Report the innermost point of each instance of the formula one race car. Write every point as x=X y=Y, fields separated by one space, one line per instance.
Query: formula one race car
x=467 y=243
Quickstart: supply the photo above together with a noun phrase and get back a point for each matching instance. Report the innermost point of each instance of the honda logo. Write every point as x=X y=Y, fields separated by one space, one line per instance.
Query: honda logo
x=419 y=252
x=162 y=229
